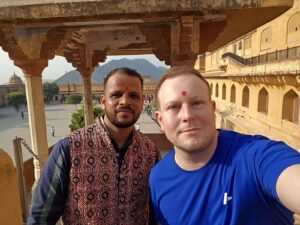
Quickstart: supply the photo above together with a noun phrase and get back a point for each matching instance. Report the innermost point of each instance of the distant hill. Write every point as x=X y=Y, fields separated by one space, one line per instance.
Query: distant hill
x=47 y=80
x=144 y=67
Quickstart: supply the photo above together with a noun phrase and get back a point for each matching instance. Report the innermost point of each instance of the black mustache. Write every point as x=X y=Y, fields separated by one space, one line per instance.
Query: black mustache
x=124 y=108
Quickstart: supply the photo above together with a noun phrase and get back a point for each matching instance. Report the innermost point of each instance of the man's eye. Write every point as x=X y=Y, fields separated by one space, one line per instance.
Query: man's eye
x=197 y=103
x=135 y=96
x=172 y=107
x=115 y=96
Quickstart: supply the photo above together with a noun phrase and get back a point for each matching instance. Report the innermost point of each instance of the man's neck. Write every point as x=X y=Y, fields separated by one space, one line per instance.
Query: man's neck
x=196 y=159
x=120 y=135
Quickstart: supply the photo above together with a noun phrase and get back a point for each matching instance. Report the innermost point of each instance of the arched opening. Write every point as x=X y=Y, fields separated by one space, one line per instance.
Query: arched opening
x=263 y=101
x=266 y=39
x=224 y=92
x=211 y=89
x=293 y=28
x=245 y=100
x=232 y=94
x=291 y=106
x=217 y=90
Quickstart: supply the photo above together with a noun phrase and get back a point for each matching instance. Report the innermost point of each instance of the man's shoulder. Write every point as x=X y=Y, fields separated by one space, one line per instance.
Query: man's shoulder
x=87 y=129
x=238 y=140
x=165 y=163
x=250 y=146
x=62 y=147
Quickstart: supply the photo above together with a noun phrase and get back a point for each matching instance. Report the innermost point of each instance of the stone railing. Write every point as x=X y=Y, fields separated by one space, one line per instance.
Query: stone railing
x=278 y=55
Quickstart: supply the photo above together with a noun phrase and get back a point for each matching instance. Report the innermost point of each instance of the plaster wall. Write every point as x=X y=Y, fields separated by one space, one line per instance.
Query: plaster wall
x=10 y=212
x=248 y=119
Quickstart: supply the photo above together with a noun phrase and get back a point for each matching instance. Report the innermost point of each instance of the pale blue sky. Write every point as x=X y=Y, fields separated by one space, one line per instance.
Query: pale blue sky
x=56 y=67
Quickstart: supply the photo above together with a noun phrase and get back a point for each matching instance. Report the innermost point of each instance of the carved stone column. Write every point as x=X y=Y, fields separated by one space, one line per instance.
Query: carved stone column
x=88 y=100
x=36 y=112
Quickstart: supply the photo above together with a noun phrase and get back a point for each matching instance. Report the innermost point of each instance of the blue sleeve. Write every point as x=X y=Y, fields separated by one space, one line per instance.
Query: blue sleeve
x=51 y=192
x=267 y=160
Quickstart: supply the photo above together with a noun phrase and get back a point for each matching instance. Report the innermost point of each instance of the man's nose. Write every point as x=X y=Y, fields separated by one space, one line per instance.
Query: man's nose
x=125 y=100
x=186 y=113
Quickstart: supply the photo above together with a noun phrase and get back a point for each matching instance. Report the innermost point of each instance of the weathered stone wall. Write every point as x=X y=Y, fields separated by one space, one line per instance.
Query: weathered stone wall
x=281 y=33
x=247 y=119
x=10 y=208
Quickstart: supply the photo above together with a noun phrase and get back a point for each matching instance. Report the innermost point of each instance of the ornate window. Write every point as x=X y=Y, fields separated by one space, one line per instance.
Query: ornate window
x=266 y=39
x=293 y=28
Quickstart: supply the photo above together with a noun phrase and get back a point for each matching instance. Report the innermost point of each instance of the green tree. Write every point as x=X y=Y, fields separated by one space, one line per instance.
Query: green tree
x=77 y=119
x=153 y=106
x=50 y=89
x=16 y=99
x=74 y=99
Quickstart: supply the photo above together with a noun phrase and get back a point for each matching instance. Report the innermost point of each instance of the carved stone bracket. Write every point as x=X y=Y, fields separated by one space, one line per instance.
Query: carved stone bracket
x=158 y=38
x=277 y=80
x=30 y=49
x=81 y=57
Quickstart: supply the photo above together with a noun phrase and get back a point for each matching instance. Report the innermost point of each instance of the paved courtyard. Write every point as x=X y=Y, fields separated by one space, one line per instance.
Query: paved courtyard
x=58 y=115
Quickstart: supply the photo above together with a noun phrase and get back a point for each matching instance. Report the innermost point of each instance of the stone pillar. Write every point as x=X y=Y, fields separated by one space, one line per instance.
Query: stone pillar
x=88 y=99
x=37 y=121
x=297 y=219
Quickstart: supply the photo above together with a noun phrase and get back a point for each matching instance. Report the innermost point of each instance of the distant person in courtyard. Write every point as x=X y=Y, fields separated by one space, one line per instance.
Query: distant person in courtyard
x=137 y=126
x=22 y=114
x=217 y=177
x=99 y=174
x=53 y=131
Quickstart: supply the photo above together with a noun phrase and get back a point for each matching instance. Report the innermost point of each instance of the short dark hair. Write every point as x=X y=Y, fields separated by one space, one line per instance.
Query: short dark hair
x=125 y=70
x=175 y=72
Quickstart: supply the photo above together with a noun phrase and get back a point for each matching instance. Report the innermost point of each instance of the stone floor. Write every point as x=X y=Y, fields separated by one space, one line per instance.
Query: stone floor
x=57 y=115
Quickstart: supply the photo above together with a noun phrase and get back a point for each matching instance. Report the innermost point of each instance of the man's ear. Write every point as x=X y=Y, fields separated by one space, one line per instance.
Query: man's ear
x=158 y=118
x=102 y=100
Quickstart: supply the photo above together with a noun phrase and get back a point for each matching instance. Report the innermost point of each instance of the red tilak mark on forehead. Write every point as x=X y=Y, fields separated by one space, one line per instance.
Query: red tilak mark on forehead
x=126 y=89
x=183 y=93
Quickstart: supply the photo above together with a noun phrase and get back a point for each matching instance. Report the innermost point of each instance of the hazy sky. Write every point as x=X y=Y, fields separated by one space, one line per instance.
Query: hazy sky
x=57 y=66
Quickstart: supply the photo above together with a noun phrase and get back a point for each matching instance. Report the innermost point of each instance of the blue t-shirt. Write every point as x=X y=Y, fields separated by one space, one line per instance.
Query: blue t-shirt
x=236 y=187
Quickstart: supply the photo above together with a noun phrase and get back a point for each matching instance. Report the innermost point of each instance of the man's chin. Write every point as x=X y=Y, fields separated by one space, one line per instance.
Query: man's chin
x=124 y=124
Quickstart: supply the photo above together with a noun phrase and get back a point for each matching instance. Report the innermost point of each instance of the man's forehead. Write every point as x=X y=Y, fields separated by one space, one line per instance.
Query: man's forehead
x=172 y=92
x=123 y=88
x=122 y=79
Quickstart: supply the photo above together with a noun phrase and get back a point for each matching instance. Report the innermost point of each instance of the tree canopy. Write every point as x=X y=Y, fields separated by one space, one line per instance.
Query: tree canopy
x=74 y=99
x=77 y=119
x=16 y=99
x=50 y=89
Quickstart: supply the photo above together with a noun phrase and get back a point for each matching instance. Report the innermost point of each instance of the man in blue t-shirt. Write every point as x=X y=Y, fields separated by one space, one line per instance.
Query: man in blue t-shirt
x=217 y=177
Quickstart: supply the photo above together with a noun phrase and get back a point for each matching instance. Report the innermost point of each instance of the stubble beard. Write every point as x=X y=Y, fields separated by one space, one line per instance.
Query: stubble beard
x=114 y=120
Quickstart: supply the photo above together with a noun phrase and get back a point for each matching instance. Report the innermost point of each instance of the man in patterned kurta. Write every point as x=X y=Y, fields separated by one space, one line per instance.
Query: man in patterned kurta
x=99 y=174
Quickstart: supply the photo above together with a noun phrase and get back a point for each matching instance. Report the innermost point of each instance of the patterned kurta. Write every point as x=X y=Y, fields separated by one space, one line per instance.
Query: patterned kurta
x=99 y=191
